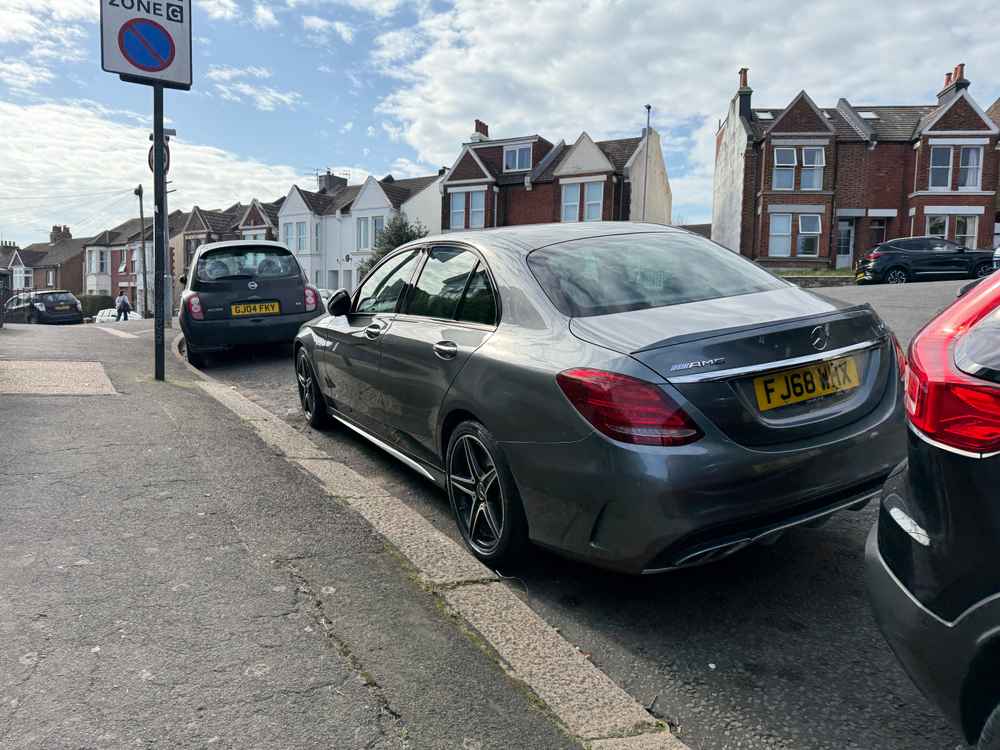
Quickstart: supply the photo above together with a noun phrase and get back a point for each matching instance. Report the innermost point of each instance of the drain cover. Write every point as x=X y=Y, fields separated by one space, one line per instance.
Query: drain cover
x=54 y=378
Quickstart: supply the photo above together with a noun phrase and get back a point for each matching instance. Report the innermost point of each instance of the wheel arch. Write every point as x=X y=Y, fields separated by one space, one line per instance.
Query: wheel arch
x=453 y=419
x=980 y=692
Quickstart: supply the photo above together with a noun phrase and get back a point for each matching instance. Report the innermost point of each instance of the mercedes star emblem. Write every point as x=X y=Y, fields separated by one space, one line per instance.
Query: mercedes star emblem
x=819 y=337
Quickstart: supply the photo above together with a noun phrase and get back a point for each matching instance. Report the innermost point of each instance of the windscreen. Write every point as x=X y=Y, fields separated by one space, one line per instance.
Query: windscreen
x=55 y=298
x=602 y=275
x=251 y=261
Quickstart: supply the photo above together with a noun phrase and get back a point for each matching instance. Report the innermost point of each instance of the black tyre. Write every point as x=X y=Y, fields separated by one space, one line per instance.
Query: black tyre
x=896 y=276
x=194 y=357
x=983 y=269
x=313 y=404
x=484 y=497
x=989 y=739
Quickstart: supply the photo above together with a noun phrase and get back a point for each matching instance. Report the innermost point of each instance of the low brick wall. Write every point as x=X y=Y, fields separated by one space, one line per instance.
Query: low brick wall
x=813 y=281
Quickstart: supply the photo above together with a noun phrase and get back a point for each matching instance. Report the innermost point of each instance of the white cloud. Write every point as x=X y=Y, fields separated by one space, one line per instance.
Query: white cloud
x=469 y=61
x=378 y=8
x=263 y=17
x=370 y=131
x=321 y=28
x=264 y=98
x=22 y=77
x=403 y=167
x=225 y=73
x=348 y=127
x=97 y=153
x=394 y=132
x=220 y=10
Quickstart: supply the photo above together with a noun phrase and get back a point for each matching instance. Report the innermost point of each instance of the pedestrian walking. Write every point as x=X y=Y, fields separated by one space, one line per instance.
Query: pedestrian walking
x=123 y=305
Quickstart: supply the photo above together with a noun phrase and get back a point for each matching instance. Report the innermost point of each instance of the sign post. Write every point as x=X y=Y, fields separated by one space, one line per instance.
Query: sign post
x=149 y=42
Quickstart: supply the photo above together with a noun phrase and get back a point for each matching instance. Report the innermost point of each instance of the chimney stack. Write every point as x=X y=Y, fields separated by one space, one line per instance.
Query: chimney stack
x=442 y=171
x=481 y=132
x=744 y=92
x=953 y=81
x=59 y=233
x=330 y=183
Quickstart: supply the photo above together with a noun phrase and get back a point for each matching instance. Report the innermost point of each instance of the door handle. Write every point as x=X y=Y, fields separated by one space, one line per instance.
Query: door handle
x=376 y=329
x=446 y=349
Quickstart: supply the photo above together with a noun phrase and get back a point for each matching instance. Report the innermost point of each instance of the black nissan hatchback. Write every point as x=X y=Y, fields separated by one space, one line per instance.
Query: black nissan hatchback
x=243 y=292
x=933 y=557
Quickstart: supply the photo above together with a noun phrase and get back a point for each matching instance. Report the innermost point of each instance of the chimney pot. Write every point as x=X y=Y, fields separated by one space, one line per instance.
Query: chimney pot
x=744 y=78
x=947 y=80
x=959 y=71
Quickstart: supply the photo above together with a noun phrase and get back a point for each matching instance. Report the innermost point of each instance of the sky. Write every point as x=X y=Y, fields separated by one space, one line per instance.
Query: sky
x=283 y=88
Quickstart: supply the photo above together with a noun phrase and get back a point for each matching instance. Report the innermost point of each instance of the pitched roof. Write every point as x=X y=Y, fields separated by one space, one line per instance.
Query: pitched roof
x=118 y=234
x=893 y=122
x=619 y=151
x=29 y=258
x=342 y=199
x=55 y=254
x=400 y=191
x=271 y=210
x=318 y=203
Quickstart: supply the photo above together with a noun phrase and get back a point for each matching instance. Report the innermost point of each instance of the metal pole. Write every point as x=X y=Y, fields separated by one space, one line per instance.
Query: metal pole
x=145 y=281
x=159 y=228
x=645 y=169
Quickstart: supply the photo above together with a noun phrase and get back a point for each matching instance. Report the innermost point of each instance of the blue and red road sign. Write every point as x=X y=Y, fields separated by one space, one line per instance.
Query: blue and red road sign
x=146 y=45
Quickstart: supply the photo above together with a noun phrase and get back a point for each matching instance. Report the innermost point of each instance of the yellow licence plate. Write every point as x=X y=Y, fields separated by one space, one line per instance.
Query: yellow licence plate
x=62 y=307
x=255 y=308
x=806 y=383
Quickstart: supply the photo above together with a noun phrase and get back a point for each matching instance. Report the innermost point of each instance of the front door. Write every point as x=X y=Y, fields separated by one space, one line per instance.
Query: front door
x=845 y=244
x=448 y=314
x=349 y=347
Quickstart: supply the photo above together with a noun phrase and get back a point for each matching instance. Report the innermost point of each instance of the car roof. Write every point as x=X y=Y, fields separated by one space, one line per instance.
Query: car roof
x=240 y=243
x=522 y=239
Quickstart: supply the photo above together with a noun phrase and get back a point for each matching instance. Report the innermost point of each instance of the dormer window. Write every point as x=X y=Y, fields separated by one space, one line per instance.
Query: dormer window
x=517 y=158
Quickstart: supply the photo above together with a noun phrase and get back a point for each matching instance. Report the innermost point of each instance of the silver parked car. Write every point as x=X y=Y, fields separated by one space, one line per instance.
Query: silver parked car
x=629 y=394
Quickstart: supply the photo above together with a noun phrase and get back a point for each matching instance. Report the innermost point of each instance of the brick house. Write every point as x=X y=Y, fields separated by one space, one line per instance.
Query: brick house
x=804 y=185
x=528 y=180
x=58 y=263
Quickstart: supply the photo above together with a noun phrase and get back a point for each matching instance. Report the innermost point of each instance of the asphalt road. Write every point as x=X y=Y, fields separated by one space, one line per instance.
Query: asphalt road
x=773 y=648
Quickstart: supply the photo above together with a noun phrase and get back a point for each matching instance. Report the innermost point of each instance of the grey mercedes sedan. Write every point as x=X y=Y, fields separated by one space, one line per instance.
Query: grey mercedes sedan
x=632 y=395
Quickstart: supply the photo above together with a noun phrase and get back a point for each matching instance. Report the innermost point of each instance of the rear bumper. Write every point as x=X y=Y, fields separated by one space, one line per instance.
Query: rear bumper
x=643 y=509
x=221 y=334
x=62 y=317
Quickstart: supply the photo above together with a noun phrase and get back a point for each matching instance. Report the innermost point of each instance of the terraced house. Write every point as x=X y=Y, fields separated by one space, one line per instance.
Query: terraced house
x=805 y=185
x=528 y=180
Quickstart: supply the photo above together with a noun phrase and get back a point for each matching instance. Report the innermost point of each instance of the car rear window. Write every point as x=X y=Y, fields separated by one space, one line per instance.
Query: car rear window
x=251 y=261
x=602 y=275
x=54 y=298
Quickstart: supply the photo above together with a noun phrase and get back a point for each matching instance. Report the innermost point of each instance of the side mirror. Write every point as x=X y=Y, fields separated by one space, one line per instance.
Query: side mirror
x=183 y=279
x=339 y=304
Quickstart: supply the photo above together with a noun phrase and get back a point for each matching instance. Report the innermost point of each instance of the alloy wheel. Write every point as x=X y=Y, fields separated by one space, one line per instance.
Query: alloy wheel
x=307 y=393
x=983 y=269
x=477 y=494
x=896 y=276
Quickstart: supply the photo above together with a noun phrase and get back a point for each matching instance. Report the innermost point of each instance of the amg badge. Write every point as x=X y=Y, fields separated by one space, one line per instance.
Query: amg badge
x=697 y=363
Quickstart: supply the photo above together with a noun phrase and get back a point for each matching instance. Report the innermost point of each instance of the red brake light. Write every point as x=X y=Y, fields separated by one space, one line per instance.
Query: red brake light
x=900 y=356
x=946 y=404
x=312 y=298
x=194 y=307
x=873 y=255
x=627 y=409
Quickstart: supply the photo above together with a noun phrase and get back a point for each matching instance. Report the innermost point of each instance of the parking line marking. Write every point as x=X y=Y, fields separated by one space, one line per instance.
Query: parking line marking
x=588 y=703
x=113 y=332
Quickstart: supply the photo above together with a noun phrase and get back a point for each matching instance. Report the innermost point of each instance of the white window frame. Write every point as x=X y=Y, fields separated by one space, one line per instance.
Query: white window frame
x=135 y=259
x=971 y=231
x=575 y=204
x=102 y=262
x=978 y=168
x=776 y=168
x=477 y=216
x=301 y=235
x=316 y=235
x=517 y=149
x=927 y=225
x=363 y=237
x=27 y=278
x=816 y=168
x=124 y=262
x=772 y=234
x=378 y=226
x=802 y=233
x=587 y=202
x=931 y=169
x=459 y=212
x=50 y=278
x=288 y=227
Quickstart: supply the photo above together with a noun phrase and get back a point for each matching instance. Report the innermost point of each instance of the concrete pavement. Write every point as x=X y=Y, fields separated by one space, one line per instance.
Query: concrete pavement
x=166 y=580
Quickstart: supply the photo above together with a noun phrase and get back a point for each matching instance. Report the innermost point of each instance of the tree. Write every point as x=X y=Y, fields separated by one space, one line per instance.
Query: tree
x=397 y=232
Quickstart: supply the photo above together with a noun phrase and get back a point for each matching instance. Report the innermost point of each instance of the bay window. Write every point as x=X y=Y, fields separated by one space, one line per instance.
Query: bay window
x=967 y=231
x=315 y=238
x=571 y=202
x=301 y=237
x=780 y=240
x=809 y=231
x=477 y=209
x=783 y=177
x=813 y=161
x=457 y=204
x=970 y=168
x=593 y=208
x=378 y=225
x=940 y=168
x=288 y=235
x=363 y=240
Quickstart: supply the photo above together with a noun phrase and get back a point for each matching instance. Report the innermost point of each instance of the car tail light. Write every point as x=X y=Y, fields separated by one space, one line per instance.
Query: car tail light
x=900 y=356
x=948 y=405
x=194 y=307
x=627 y=409
x=312 y=299
x=79 y=306
x=873 y=255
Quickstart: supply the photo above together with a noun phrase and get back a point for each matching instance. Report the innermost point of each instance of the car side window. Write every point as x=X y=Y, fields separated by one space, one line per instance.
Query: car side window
x=478 y=305
x=382 y=288
x=441 y=284
x=941 y=246
x=908 y=246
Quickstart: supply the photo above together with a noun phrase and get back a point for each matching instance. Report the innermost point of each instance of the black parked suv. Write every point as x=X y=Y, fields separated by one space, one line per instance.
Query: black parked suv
x=243 y=292
x=912 y=258
x=933 y=558
x=49 y=306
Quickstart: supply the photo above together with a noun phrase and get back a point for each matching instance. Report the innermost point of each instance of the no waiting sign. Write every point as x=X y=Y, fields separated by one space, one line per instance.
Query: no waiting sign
x=147 y=41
